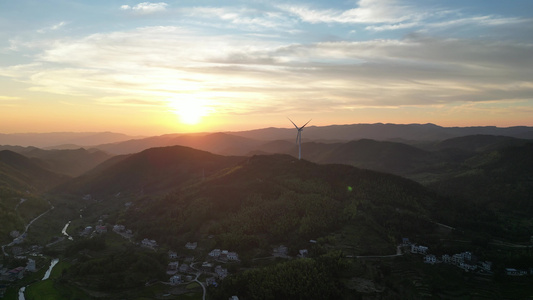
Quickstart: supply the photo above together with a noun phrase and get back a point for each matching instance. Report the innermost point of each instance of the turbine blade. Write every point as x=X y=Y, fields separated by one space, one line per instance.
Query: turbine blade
x=306 y=124
x=293 y=123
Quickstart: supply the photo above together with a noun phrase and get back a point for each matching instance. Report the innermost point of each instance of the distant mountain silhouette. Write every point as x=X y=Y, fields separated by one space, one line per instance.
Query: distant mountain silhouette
x=379 y=131
x=219 y=143
x=53 y=139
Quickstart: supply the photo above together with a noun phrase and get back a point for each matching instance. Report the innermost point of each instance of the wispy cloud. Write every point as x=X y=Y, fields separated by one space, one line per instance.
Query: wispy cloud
x=54 y=27
x=367 y=12
x=146 y=7
x=8 y=98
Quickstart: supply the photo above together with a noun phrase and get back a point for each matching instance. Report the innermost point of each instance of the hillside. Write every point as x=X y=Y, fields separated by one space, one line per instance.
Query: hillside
x=150 y=171
x=71 y=162
x=20 y=172
x=500 y=181
x=279 y=199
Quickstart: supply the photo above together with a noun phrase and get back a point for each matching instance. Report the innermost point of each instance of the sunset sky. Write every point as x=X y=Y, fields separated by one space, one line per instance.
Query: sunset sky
x=188 y=66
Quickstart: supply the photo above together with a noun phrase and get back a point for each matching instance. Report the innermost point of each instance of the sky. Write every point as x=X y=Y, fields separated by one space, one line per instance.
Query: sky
x=148 y=68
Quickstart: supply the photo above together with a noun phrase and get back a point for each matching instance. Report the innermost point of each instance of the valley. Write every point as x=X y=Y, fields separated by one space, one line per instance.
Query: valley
x=358 y=219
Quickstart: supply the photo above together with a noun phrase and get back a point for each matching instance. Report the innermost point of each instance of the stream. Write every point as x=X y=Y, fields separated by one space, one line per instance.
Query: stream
x=64 y=231
x=46 y=276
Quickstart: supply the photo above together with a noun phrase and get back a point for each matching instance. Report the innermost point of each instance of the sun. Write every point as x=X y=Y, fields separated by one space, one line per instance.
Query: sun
x=189 y=111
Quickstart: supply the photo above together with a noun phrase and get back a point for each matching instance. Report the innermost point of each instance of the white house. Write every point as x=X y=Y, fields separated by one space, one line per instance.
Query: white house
x=31 y=265
x=172 y=254
x=303 y=253
x=232 y=256
x=457 y=259
x=467 y=267
x=430 y=259
x=119 y=228
x=149 y=243
x=281 y=251
x=515 y=272
x=184 y=268
x=215 y=253
x=419 y=249
x=191 y=246
x=175 y=280
x=172 y=267
x=101 y=229
x=446 y=259
x=221 y=272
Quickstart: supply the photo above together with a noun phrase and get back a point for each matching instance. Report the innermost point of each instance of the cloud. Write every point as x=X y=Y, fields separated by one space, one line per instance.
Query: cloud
x=367 y=12
x=54 y=27
x=240 y=74
x=8 y=98
x=146 y=7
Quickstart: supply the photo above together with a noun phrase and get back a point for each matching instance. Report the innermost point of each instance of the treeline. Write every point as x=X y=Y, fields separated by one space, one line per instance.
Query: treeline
x=296 y=279
x=127 y=269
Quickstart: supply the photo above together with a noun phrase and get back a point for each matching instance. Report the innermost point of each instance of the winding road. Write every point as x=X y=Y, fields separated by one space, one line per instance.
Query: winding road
x=26 y=229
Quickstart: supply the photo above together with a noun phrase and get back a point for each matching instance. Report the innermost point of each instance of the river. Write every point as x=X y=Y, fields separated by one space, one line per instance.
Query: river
x=46 y=276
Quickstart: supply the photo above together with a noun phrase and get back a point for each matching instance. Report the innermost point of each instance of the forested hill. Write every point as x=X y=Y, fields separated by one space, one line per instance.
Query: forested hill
x=20 y=172
x=500 y=181
x=279 y=199
x=151 y=171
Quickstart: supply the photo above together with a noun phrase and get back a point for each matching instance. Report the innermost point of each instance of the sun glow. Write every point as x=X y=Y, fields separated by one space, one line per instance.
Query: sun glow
x=189 y=111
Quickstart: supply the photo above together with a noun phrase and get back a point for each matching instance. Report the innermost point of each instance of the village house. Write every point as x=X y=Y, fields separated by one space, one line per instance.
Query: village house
x=152 y=244
x=86 y=231
x=406 y=242
x=16 y=273
x=467 y=267
x=457 y=259
x=189 y=259
x=175 y=280
x=119 y=228
x=31 y=265
x=233 y=256
x=215 y=253
x=280 y=251
x=430 y=259
x=211 y=281
x=419 y=249
x=303 y=253
x=221 y=272
x=184 y=268
x=233 y=298
x=191 y=246
x=172 y=268
x=101 y=229
x=515 y=272
x=172 y=254
x=446 y=259
x=206 y=266
x=486 y=265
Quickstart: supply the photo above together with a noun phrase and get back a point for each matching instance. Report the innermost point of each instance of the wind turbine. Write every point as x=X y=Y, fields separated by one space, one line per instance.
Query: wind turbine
x=299 y=137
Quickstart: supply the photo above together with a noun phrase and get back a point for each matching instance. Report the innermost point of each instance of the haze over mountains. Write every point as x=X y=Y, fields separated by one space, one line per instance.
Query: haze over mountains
x=230 y=143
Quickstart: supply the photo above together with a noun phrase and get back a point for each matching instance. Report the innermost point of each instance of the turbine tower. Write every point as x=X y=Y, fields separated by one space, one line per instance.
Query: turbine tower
x=299 y=137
